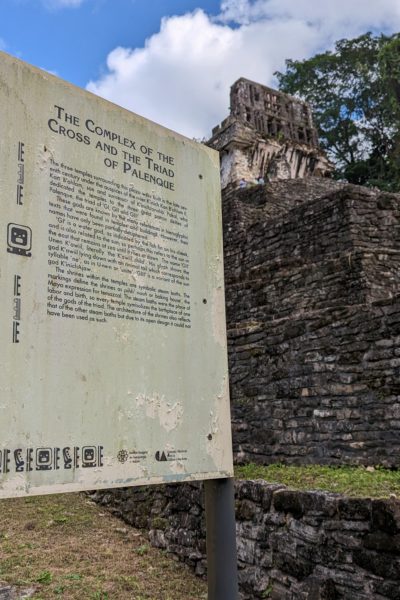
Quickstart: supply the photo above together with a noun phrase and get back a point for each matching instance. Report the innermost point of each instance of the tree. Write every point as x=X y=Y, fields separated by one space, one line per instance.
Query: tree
x=355 y=95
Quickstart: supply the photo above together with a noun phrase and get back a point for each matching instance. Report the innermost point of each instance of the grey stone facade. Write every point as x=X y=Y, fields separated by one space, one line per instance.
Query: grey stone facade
x=268 y=134
x=272 y=113
x=312 y=275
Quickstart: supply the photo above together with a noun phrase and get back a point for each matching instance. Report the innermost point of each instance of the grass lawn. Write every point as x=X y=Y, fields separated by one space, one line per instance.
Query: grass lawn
x=66 y=546
x=352 y=481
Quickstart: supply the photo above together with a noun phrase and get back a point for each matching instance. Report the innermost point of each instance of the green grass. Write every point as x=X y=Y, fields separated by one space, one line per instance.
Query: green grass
x=352 y=481
x=65 y=546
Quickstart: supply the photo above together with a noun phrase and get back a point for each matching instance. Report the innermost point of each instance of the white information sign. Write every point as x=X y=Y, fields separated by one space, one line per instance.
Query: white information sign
x=113 y=343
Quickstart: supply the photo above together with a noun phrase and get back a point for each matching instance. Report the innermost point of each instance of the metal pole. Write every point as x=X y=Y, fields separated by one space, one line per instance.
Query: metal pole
x=221 y=540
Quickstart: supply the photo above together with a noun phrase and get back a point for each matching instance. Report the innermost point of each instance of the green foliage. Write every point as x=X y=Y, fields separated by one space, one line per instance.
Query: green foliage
x=44 y=577
x=267 y=593
x=389 y=65
x=100 y=596
x=59 y=590
x=352 y=481
x=355 y=95
x=60 y=519
x=142 y=550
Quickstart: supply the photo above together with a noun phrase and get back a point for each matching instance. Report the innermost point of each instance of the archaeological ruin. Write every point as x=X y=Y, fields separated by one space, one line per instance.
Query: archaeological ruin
x=268 y=134
x=312 y=276
x=313 y=311
x=312 y=283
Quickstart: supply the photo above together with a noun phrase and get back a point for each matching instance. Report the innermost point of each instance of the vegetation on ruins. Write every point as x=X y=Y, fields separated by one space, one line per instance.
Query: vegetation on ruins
x=371 y=482
x=355 y=95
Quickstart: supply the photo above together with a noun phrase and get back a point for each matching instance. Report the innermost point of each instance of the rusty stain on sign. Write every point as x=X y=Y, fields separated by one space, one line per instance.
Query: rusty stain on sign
x=113 y=356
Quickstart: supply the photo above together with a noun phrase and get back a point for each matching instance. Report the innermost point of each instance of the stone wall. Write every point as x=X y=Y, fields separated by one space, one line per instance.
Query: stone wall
x=272 y=112
x=246 y=154
x=291 y=545
x=312 y=276
x=268 y=134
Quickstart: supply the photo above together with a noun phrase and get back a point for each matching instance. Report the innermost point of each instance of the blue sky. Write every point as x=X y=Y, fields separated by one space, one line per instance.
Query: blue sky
x=74 y=41
x=173 y=61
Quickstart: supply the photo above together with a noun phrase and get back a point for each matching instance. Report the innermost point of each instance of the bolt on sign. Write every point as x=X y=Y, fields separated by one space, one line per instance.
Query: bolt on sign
x=112 y=324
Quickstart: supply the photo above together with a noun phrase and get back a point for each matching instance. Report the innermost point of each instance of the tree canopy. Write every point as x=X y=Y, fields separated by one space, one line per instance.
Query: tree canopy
x=355 y=95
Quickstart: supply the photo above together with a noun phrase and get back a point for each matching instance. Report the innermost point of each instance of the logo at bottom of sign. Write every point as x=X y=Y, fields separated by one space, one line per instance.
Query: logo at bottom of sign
x=171 y=455
x=22 y=460
x=131 y=456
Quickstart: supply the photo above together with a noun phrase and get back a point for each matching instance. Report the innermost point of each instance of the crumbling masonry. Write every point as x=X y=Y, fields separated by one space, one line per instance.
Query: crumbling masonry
x=312 y=275
x=268 y=134
x=312 y=278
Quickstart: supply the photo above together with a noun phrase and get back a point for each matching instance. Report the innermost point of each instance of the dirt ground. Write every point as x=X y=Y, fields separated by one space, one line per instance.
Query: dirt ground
x=66 y=546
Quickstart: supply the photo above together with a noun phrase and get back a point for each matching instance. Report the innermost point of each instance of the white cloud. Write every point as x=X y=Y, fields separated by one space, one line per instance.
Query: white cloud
x=347 y=15
x=181 y=77
x=54 y=4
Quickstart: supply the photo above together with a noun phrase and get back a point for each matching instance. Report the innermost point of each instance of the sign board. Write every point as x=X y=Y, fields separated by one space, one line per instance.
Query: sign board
x=112 y=324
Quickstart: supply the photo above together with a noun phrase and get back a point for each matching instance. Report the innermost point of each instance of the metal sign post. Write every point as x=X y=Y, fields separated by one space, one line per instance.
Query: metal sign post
x=221 y=540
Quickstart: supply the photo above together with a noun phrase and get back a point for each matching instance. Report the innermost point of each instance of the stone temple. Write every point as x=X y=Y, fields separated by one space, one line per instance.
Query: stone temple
x=312 y=282
x=268 y=134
